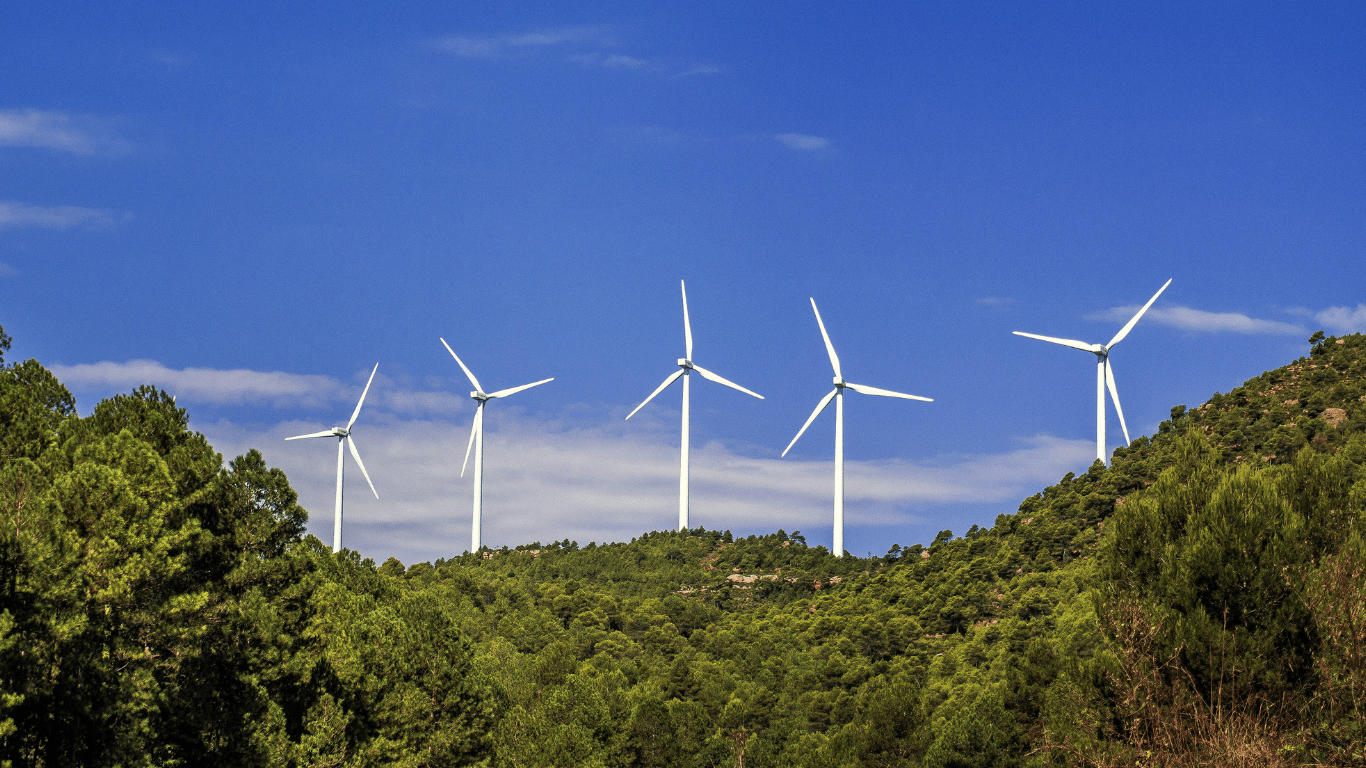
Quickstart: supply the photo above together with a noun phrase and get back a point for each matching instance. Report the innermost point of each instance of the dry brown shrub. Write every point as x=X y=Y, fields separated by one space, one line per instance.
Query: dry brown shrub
x=1333 y=730
x=1160 y=719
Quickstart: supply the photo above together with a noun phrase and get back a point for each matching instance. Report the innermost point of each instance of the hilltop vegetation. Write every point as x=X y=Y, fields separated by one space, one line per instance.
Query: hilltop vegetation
x=1201 y=601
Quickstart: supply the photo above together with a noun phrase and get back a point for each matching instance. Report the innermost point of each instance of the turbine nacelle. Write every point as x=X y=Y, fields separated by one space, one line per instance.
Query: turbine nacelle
x=837 y=395
x=343 y=435
x=684 y=372
x=1105 y=376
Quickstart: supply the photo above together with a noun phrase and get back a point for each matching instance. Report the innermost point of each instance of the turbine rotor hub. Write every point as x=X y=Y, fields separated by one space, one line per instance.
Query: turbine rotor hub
x=684 y=363
x=480 y=396
x=839 y=382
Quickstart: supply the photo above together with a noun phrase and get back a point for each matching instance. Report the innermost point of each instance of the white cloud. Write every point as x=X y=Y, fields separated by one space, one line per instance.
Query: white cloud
x=7 y=270
x=1189 y=319
x=1343 y=319
x=16 y=214
x=802 y=141
x=994 y=301
x=617 y=61
x=499 y=45
x=247 y=387
x=625 y=62
x=585 y=38
x=53 y=130
x=545 y=481
x=582 y=474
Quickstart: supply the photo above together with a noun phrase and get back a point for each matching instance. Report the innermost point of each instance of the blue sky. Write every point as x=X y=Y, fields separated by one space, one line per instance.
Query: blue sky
x=250 y=207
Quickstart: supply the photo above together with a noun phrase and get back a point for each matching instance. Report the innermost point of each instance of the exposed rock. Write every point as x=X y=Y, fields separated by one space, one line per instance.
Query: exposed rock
x=1334 y=416
x=750 y=578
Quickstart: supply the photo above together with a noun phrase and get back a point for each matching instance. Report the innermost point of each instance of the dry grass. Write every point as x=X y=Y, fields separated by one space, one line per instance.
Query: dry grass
x=1159 y=719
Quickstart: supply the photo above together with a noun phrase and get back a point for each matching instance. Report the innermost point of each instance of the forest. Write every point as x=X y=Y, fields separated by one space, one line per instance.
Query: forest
x=1202 y=601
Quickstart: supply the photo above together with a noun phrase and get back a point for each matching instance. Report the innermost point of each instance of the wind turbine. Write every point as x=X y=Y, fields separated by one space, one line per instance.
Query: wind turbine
x=686 y=367
x=837 y=394
x=1105 y=375
x=477 y=440
x=343 y=435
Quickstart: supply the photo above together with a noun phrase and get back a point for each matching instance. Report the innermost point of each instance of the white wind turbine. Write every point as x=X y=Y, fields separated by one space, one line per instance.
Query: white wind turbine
x=477 y=441
x=837 y=394
x=343 y=435
x=1105 y=376
x=685 y=367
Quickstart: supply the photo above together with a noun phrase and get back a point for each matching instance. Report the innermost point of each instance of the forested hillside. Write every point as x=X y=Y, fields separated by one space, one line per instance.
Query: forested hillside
x=1200 y=602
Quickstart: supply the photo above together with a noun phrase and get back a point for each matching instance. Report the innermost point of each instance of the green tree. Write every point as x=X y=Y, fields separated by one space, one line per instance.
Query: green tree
x=980 y=735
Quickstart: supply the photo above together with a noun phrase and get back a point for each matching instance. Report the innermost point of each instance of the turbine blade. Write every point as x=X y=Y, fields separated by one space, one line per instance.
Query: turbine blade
x=328 y=433
x=708 y=375
x=867 y=390
x=361 y=402
x=355 y=454
x=1114 y=395
x=687 y=326
x=829 y=348
x=819 y=407
x=515 y=390
x=1130 y=325
x=672 y=378
x=473 y=380
x=474 y=431
x=1074 y=344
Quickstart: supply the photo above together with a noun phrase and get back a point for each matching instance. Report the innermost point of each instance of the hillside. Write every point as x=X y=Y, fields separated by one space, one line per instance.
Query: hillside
x=160 y=607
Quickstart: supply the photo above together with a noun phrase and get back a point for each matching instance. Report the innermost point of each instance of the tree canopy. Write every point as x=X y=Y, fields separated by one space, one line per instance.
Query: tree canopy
x=161 y=606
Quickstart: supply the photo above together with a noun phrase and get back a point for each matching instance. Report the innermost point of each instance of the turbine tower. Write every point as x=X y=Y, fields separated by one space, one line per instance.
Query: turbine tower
x=685 y=367
x=343 y=435
x=477 y=441
x=837 y=394
x=1105 y=375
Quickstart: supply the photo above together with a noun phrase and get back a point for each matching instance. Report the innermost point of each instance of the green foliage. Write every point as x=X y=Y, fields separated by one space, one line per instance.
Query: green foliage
x=981 y=734
x=157 y=606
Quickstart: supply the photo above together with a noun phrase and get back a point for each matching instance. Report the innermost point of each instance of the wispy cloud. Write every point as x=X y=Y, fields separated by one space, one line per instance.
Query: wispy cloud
x=582 y=474
x=802 y=141
x=1189 y=319
x=248 y=387
x=7 y=270
x=546 y=481
x=16 y=214
x=585 y=43
x=1343 y=319
x=78 y=134
x=502 y=45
